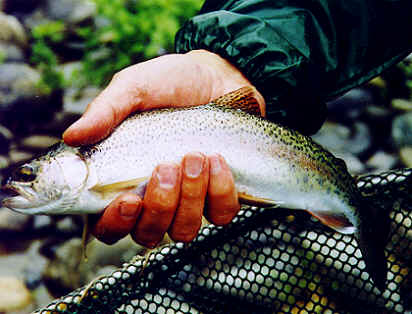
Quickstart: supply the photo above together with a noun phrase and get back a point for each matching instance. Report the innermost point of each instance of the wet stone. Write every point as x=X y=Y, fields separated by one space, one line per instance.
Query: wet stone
x=10 y=52
x=17 y=156
x=70 y=11
x=382 y=161
x=14 y=295
x=11 y=30
x=402 y=104
x=405 y=154
x=350 y=105
x=13 y=222
x=38 y=142
x=339 y=138
x=402 y=130
x=76 y=100
x=21 y=99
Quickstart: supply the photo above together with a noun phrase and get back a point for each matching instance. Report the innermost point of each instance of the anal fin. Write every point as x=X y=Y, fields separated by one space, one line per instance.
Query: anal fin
x=336 y=221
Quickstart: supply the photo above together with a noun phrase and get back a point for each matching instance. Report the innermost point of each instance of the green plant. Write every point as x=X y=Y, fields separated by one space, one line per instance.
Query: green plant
x=133 y=30
x=2 y=57
x=45 y=59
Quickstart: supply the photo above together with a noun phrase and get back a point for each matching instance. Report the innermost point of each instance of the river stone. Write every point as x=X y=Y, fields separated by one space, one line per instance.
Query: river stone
x=339 y=138
x=382 y=161
x=350 y=105
x=70 y=11
x=11 y=30
x=75 y=100
x=14 y=295
x=10 y=52
x=17 y=156
x=14 y=222
x=405 y=154
x=401 y=104
x=402 y=130
x=19 y=89
x=38 y=143
x=68 y=270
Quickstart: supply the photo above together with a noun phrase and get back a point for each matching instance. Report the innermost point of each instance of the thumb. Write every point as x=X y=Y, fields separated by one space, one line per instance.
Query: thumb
x=103 y=114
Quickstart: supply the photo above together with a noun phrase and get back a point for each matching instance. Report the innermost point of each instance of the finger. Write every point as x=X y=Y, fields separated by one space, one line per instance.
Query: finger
x=188 y=217
x=118 y=219
x=159 y=203
x=103 y=114
x=222 y=200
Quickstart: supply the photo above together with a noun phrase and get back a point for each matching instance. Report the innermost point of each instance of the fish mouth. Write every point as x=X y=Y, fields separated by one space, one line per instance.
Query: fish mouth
x=17 y=198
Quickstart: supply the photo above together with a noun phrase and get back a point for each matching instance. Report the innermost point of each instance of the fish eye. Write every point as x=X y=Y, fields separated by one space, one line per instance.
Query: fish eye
x=25 y=173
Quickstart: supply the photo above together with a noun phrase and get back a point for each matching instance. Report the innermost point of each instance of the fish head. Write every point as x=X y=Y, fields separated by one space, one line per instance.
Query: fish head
x=49 y=184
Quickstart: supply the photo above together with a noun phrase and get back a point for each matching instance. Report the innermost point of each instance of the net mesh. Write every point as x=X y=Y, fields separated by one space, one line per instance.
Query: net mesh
x=265 y=261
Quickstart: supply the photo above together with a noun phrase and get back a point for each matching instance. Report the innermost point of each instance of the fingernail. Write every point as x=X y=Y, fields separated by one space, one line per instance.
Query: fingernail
x=215 y=164
x=194 y=165
x=128 y=211
x=167 y=176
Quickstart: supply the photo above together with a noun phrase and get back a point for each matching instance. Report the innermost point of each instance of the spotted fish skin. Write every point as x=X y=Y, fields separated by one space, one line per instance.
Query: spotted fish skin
x=268 y=161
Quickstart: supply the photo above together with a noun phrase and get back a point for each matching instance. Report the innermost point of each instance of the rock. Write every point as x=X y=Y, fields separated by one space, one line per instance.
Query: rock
x=68 y=225
x=401 y=104
x=354 y=165
x=14 y=295
x=10 y=52
x=12 y=31
x=70 y=11
x=350 y=105
x=374 y=112
x=14 y=222
x=67 y=270
x=332 y=136
x=4 y=163
x=382 y=161
x=360 y=140
x=38 y=143
x=405 y=154
x=76 y=100
x=21 y=98
x=402 y=130
x=339 y=138
x=17 y=156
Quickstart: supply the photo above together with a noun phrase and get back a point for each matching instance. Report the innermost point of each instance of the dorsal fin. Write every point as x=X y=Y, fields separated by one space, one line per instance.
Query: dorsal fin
x=242 y=98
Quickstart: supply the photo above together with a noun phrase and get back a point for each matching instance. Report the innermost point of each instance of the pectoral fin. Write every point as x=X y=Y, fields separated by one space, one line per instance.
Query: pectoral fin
x=86 y=236
x=336 y=221
x=242 y=98
x=256 y=201
x=118 y=186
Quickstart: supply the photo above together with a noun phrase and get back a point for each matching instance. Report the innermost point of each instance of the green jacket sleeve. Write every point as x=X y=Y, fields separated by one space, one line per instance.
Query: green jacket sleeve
x=299 y=54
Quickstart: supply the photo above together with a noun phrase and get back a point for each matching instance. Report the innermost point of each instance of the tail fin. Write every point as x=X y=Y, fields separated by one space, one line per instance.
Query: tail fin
x=373 y=235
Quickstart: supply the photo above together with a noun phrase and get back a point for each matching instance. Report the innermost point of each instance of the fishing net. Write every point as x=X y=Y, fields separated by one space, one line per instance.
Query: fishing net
x=266 y=261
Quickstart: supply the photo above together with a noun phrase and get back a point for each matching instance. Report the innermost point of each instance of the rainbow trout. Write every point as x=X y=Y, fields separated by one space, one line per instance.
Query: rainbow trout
x=272 y=166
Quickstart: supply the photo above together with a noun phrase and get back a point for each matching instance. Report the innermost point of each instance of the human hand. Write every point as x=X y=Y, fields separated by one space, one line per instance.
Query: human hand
x=175 y=197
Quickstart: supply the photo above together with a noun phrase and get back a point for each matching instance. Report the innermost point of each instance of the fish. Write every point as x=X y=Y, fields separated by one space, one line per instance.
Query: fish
x=272 y=166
